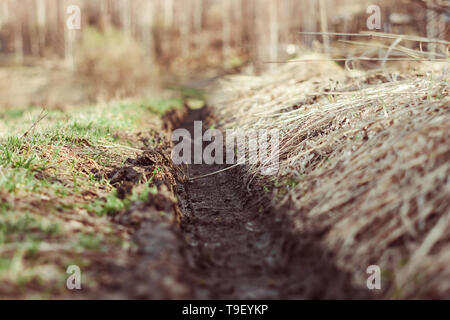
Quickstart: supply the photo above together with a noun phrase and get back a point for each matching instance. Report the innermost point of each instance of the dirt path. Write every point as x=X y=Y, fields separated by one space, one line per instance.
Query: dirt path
x=240 y=249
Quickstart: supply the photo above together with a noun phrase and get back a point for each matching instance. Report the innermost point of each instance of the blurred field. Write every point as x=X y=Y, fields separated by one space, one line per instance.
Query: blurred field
x=125 y=47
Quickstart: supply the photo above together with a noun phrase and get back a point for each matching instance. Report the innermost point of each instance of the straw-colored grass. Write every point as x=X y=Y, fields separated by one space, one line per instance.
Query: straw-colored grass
x=364 y=161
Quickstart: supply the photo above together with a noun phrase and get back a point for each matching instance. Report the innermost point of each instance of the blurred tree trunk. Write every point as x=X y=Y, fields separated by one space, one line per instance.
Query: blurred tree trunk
x=184 y=28
x=32 y=26
x=146 y=25
x=198 y=15
x=168 y=13
x=41 y=13
x=53 y=27
x=4 y=13
x=69 y=38
x=247 y=26
x=259 y=34
x=238 y=22
x=285 y=20
x=18 y=33
x=432 y=29
x=226 y=31
x=442 y=31
x=104 y=13
x=309 y=21
x=274 y=29
x=324 y=26
x=125 y=16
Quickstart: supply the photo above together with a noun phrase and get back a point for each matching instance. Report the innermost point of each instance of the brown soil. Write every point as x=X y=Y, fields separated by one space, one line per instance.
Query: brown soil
x=238 y=248
x=155 y=269
x=228 y=244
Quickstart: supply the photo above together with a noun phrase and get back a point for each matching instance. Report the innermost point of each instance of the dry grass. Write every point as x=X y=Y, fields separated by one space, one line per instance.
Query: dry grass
x=364 y=160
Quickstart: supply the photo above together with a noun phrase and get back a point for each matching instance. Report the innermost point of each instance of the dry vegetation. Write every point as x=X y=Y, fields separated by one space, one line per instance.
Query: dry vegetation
x=365 y=164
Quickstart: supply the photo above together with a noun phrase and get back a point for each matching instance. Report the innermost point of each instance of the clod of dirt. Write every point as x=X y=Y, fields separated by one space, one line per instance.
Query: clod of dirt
x=174 y=118
x=161 y=202
x=119 y=175
x=125 y=189
x=42 y=175
x=145 y=160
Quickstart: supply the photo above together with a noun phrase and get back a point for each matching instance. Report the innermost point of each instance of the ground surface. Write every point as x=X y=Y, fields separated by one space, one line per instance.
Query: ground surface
x=62 y=192
x=239 y=249
x=78 y=187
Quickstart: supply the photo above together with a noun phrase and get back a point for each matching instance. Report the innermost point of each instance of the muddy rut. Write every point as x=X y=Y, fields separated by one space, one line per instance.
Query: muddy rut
x=237 y=247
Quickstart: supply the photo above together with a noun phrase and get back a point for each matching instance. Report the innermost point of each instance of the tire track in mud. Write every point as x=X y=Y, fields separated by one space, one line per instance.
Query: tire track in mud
x=239 y=248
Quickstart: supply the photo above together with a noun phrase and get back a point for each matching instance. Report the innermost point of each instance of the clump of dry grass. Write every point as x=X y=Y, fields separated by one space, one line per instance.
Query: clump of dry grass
x=365 y=159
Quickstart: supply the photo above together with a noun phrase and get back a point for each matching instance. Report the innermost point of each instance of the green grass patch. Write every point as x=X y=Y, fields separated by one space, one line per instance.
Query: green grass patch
x=47 y=174
x=161 y=106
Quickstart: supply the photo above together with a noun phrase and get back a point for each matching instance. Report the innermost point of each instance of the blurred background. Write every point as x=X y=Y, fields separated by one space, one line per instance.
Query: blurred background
x=131 y=48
